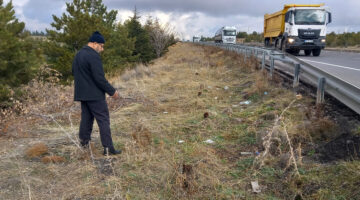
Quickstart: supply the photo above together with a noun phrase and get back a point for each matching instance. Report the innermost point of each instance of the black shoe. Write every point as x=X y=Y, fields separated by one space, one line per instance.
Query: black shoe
x=111 y=151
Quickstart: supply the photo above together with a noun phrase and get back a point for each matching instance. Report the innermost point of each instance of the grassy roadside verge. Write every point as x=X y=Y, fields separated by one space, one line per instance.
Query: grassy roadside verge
x=197 y=124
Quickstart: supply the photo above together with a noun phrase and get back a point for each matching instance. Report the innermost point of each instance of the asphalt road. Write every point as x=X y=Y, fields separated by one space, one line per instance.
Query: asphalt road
x=344 y=65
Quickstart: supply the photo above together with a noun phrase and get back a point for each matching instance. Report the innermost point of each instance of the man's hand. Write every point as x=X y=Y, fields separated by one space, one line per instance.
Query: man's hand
x=116 y=95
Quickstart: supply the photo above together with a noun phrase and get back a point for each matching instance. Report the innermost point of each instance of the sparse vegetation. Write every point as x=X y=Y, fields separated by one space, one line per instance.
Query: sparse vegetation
x=193 y=125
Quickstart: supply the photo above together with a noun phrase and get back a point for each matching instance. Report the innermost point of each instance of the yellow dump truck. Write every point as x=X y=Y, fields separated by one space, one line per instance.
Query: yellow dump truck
x=297 y=27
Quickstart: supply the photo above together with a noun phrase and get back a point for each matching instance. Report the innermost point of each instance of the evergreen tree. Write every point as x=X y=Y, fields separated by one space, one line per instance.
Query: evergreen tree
x=73 y=29
x=18 y=58
x=120 y=50
x=241 y=35
x=143 y=47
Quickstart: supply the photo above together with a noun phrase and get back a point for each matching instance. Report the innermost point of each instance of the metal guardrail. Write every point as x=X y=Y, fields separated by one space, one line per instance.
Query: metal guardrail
x=324 y=82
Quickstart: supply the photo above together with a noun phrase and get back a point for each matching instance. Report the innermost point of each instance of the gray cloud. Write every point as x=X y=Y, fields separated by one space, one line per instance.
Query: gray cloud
x=213 y=13
x=211 y=7
x=345 y=12
x=43 y=10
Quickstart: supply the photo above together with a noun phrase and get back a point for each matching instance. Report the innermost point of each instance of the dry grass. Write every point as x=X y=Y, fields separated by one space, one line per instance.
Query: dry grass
x=168 y=113
x=37 y=150
x=53 y=159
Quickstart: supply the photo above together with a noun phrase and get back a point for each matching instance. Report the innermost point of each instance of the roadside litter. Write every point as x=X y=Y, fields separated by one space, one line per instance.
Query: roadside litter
x=255 y=187
x=245 y=102
x=209 y=141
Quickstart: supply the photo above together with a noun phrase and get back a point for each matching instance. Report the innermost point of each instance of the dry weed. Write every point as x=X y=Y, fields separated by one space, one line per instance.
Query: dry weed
x=53 y=159
x=139 y=72
x=142 y=136
x=37 y=150
x=261 y=82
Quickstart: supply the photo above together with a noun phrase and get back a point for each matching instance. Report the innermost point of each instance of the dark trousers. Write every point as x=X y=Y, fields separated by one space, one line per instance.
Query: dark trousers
x=99 y=110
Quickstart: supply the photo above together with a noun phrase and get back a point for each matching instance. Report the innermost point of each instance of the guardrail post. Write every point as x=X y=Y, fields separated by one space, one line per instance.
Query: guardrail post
x=272 y=63
x=263 y=61
x=320 y=91
x=296 y=75
x=245 y=55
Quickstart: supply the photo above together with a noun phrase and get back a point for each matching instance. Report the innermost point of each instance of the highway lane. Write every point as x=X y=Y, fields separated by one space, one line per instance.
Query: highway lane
x=344 y=65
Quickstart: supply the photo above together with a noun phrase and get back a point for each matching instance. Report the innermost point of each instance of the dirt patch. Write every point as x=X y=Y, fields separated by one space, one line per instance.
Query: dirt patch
x=345 y=147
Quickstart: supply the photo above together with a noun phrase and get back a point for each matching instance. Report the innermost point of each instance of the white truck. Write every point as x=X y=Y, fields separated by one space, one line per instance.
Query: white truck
x=196 y=38
x=297 y=27
x=226 y=34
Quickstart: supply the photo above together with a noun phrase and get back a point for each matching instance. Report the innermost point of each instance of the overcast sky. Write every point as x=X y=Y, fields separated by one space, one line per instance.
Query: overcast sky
x=193 y=17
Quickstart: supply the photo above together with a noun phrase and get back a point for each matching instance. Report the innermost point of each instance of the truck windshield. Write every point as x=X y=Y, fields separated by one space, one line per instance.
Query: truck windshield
x=229 y=33
x=313 y=17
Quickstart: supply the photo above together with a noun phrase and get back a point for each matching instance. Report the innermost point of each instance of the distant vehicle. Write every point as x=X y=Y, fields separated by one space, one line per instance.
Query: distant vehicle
x=196 y=38
x=297 y=27
x=226 y=34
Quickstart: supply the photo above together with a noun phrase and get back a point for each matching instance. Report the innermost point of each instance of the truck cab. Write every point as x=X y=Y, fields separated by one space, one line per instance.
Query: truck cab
x=305 y=29
x=196 y=38
x=226 y=34
x=298 y=27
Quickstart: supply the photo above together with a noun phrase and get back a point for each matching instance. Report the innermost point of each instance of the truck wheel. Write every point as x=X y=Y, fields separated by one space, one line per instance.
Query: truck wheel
x=283 y=48
x=266 y=42
x=316 y=52
x=296 y=52
x=307 y=52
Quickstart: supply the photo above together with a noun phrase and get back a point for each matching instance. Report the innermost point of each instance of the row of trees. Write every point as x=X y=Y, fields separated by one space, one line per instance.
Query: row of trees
x=343 y=40
x=126 y=43
x=253 y=37
x=19 y=55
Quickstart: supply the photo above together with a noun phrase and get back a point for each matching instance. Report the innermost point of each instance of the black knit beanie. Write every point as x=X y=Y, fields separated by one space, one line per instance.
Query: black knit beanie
x=97 y=37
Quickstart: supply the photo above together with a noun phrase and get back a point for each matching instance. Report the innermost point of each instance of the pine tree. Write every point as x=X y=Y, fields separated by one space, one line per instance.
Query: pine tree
x=143 y=47
x=18 y=58
x=120 y=51
x=73 y=29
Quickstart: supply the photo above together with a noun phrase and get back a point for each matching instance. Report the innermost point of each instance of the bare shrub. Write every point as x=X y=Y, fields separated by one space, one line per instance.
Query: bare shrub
x=261 y=82
x=142 y=136
x=160 y=35
x=37 y=150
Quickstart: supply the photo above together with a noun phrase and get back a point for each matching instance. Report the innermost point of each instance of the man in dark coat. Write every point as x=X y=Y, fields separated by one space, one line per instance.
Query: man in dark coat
x=90 y=88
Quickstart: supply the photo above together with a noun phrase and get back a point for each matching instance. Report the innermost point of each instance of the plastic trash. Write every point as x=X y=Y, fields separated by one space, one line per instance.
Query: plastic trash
x=255 y=187
x=245 y=102
x=209 y=141
x=226 y=87
x=181 y=141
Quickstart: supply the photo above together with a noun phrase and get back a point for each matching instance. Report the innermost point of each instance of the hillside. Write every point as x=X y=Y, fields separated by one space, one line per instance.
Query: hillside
x=198 y=123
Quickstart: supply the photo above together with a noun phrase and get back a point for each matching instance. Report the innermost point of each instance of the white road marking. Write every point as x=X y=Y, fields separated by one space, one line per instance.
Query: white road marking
x=330 y=64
